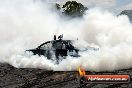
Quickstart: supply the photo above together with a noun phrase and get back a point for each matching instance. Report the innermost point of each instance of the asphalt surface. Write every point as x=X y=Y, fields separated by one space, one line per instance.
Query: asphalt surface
x=11 y=77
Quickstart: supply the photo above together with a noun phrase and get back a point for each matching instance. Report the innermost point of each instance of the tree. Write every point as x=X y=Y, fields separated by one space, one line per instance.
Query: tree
x=72 y=9
x=58 y=6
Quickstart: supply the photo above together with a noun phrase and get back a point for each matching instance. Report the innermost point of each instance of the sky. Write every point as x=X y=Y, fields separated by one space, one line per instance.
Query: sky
x=115 y=6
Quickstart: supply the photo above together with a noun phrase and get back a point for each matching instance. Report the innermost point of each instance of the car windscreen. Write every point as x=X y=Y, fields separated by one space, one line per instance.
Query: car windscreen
x=46 y=46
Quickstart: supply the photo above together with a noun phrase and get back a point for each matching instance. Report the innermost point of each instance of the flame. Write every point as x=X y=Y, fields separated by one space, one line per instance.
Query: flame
x=81 y=71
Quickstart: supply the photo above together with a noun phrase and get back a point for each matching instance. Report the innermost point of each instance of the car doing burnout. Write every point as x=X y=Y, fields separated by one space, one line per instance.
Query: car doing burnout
x=59 y=48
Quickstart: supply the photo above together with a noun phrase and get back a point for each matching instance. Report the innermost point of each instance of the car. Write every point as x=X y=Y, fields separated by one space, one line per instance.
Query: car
x=59 y=48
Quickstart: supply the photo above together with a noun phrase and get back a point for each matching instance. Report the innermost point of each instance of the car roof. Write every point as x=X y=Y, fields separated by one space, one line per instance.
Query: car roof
x=55 y=41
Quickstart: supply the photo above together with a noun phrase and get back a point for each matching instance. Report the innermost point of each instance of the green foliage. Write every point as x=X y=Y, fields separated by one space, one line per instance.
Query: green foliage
x=72 y=9
x=128 y=13
x=58 y=6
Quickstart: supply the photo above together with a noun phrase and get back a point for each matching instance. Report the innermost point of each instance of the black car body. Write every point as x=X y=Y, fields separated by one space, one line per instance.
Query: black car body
x=59 y=48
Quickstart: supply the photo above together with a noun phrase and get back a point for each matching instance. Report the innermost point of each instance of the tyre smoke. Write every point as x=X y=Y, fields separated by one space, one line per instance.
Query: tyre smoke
x=27 y=24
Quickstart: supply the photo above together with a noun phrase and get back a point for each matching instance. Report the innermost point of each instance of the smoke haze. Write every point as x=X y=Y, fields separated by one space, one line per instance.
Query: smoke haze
x=27 y=24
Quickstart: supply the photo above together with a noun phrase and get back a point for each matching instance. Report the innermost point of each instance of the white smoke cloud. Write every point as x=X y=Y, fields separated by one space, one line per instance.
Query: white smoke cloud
x=25 y=25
